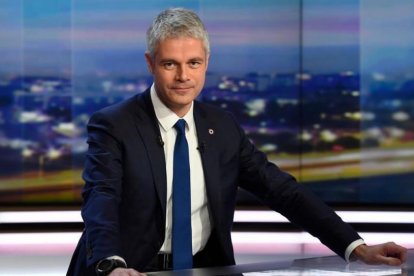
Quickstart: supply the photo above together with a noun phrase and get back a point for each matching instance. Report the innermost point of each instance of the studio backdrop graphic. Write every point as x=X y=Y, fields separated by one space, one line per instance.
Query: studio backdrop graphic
x=325 y=88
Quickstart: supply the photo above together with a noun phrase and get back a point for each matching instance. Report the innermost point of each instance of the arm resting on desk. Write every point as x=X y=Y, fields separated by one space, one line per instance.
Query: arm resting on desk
x=386 y=253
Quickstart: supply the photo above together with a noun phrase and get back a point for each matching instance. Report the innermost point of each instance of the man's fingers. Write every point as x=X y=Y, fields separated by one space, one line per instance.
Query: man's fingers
x=126 y=272
x=391 y=261
x=396 y=251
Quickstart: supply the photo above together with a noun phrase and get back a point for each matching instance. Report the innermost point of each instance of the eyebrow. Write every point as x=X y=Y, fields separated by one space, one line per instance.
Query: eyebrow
x=200 y=59
x=197 y=59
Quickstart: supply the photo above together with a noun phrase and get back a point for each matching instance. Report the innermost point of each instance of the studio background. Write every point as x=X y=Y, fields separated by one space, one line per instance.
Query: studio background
x=325 y=88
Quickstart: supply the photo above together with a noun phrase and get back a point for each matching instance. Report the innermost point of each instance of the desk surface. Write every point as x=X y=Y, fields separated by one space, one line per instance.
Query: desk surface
x=327 y=265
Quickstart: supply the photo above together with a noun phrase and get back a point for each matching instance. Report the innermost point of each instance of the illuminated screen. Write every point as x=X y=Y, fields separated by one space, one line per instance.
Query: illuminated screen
x=325 y=88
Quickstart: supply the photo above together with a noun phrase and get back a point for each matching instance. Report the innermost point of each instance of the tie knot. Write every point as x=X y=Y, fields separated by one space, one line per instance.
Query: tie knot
x=180 y=126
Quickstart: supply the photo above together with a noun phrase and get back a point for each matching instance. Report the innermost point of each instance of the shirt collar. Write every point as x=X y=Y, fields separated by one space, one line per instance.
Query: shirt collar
x=167 y=118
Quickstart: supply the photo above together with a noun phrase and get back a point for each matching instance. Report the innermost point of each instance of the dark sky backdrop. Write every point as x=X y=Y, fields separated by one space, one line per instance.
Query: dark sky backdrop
x=246 y=35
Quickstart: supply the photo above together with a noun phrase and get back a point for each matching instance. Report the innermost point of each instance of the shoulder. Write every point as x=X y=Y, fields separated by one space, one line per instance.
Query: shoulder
x=221 y=121
x=137 y=105
x=214 y=114
x=117 y=110
x=120 y=117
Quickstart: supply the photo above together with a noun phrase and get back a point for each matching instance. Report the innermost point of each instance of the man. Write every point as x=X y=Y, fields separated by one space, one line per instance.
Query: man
x=129 y=171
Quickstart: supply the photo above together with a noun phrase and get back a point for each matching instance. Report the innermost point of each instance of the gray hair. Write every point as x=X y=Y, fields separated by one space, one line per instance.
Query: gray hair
x=175 y=23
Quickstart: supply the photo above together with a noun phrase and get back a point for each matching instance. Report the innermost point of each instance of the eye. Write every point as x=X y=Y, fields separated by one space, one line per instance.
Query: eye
x=195 y=64
x=169 y=65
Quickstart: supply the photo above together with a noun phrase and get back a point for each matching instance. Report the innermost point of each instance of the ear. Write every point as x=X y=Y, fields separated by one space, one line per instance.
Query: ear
x=207 y=60
x=150 y=62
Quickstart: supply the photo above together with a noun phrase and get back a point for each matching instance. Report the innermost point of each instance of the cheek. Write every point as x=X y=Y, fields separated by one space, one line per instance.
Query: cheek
x=200 y=80
x=163 y=78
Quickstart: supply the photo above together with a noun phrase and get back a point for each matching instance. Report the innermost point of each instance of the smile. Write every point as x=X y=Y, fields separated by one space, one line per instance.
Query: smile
x=181 y=88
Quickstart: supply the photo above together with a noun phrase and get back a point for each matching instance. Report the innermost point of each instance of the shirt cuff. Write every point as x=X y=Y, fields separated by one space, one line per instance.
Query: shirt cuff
x=351 y=248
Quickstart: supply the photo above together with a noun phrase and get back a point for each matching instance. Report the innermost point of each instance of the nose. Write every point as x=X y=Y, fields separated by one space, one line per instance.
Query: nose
x=182 y=74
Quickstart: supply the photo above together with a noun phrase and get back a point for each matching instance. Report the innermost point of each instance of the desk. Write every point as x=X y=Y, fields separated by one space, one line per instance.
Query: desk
x=327 y=265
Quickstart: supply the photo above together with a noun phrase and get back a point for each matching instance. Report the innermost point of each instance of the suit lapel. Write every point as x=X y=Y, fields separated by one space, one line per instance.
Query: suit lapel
x=148 y=129
x=209 y=158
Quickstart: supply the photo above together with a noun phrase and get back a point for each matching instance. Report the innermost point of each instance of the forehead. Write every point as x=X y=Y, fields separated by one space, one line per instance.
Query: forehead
x=180 y=47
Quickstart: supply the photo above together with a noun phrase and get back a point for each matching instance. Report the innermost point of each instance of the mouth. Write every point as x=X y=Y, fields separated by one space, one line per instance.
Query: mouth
x=181 y=89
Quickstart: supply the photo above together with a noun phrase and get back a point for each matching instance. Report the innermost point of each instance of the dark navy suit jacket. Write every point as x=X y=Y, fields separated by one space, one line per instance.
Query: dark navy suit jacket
x=125 y=187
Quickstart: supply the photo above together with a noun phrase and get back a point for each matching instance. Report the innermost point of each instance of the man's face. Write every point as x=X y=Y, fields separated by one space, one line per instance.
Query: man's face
x=179 y=69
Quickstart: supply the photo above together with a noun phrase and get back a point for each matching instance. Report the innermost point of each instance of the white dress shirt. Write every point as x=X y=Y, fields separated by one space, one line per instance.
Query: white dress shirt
x=200 y=220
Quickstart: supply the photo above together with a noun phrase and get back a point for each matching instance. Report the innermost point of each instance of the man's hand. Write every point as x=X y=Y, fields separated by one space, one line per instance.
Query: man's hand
x=125 y=272
x=387 y=253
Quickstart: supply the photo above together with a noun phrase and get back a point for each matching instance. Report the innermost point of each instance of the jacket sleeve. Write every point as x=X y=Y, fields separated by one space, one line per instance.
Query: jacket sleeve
x=103 y=188
x=280 y=191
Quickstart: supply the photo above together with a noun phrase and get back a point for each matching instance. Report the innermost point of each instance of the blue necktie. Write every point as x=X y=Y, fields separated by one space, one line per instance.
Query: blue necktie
x=181 y=230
